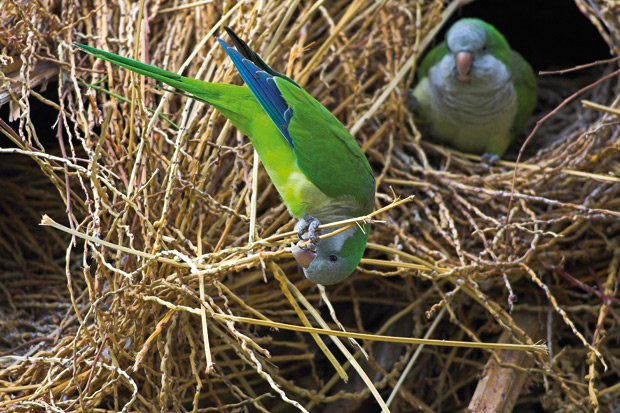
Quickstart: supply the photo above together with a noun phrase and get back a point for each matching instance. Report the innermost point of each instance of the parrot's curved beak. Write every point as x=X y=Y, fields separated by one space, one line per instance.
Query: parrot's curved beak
x=463 y=65
x=304 y=257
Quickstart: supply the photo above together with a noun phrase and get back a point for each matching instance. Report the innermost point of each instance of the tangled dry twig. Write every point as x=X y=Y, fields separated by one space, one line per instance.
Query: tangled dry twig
x=170 y=300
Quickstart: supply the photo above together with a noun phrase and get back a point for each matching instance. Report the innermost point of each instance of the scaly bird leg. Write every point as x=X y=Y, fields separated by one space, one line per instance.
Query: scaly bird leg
x=310 y=224
x=489 y=158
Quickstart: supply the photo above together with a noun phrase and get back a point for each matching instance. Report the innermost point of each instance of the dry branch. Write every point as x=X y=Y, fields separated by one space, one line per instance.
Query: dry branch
x=162 y=279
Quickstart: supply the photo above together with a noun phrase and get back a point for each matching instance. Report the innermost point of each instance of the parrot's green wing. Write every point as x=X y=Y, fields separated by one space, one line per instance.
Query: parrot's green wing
x=319 y=136
x=525 y=87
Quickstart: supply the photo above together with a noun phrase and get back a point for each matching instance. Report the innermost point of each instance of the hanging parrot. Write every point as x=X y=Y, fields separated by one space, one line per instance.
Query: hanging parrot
x=318 y=169
x=474 y=92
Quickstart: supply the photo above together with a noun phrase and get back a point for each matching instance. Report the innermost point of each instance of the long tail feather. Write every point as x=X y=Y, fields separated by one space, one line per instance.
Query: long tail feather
x=235 y=102
x=181 y=82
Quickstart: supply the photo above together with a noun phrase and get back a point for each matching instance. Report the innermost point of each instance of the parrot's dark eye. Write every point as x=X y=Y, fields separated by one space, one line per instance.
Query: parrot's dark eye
x=333 y=258
x=484 y=47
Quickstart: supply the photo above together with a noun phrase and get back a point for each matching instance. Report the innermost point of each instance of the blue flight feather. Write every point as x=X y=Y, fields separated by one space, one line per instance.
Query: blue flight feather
x=264 y=89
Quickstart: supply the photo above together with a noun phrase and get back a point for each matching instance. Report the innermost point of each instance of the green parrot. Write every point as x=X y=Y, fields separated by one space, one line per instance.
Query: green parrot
x=318 y=169
x=474 y=92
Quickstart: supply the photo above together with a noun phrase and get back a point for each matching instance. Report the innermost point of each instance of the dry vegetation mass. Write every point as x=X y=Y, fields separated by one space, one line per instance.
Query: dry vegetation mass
x=163 y=279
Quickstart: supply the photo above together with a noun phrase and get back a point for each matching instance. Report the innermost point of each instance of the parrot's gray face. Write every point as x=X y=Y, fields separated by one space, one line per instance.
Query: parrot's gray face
x=326 y=265
x=469 y=84
x=468 y=59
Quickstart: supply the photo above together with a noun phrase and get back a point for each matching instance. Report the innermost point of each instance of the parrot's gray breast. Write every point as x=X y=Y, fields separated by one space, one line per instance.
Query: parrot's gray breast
x=488 y=94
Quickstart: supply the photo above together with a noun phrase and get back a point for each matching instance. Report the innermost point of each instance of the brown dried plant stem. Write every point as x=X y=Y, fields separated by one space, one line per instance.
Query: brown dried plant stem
x=162 y=278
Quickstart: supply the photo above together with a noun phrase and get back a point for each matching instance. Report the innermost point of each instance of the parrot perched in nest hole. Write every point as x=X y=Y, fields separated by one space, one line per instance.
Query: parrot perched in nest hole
x=474 y=92
x=318 y=169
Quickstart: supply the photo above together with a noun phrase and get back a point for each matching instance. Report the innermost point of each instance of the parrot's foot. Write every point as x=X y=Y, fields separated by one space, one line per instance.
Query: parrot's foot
x=308 y=223
x=411 y=102
x=489 y=158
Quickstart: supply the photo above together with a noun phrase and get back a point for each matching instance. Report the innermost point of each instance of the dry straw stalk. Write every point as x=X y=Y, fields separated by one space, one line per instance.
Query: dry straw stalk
x=162 y=279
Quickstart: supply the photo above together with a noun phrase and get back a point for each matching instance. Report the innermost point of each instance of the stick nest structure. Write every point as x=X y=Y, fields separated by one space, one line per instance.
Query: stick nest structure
x=162 y=278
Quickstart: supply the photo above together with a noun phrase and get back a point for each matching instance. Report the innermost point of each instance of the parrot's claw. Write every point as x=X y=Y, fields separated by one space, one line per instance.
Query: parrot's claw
x=312 y=232
x=411 y=102
x=489 y=158
x=310 y=224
